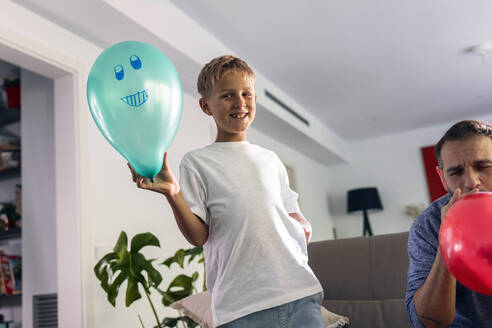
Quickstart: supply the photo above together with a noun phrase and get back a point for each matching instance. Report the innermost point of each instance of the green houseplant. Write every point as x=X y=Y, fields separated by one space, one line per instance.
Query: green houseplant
x=123 y=264
x=181 y=286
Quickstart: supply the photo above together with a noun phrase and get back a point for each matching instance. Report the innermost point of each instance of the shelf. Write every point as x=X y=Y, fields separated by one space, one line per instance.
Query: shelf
x=5 y=296
x=8 y=301
x=13 y=233
x=9 y=115
x=10 y=173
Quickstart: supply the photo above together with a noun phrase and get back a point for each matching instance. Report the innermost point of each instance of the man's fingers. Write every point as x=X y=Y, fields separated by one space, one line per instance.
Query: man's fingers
x=456 y=196
x=454 y=199
x=470 y=192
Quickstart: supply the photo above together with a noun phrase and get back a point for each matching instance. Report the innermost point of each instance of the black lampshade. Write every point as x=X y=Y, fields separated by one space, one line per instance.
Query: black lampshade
x=363 y=199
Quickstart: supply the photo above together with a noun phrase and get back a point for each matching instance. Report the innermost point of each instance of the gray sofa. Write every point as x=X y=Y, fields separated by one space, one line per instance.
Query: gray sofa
x=364 y=278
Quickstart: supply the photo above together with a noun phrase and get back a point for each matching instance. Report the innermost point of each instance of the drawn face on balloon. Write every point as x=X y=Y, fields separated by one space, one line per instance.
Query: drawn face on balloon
x=135 y=97
x=140 y=97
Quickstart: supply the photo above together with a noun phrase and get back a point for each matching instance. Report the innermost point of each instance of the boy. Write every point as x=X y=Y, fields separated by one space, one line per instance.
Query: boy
x=234 y=199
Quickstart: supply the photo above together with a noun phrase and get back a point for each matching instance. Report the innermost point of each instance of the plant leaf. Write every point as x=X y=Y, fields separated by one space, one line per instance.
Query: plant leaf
x=143 y=239
x=105 y=281
x=182 y=281
x=167 y=262
x=167 y=299
x=173 y=322
x=132 y=293
x=170 y=322
x=121 y=265
x=115 y=286
x=193 y=252
x=104 y=261
x=179 y=288
x=179 y=256
x=121 y=245
x=189 y=322
x=154 y=275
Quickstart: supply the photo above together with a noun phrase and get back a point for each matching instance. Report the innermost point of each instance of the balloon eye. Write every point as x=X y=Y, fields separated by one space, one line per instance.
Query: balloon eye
x=136 y=62
x=119 y=72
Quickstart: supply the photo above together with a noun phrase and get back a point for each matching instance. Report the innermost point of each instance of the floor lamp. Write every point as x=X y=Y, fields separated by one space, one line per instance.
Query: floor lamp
x=364 y=199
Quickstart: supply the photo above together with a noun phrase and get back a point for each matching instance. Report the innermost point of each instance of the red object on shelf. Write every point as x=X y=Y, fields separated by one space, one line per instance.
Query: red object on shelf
x=434 y=183
x=13 y=96
x=8 y=283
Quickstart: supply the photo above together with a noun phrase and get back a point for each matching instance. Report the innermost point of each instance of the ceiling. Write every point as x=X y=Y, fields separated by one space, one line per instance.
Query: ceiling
x=364 y=68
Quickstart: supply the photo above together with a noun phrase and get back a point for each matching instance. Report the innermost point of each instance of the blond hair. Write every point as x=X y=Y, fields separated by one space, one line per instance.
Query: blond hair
x=218 y=67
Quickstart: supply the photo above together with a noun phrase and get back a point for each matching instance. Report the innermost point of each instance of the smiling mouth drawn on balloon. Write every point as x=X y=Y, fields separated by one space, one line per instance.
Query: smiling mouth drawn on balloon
x=136 y=99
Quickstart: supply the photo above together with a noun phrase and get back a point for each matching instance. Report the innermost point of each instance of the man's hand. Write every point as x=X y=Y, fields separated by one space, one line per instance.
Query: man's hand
x=435 y=300
x=457 y=195
x=164 y=182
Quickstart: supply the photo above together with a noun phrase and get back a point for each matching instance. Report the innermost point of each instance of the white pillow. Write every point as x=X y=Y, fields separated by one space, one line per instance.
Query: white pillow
x=334 y=320
x=197 y=307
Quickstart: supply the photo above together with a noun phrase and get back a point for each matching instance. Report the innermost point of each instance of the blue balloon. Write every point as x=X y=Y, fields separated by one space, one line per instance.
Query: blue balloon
x=135 y=97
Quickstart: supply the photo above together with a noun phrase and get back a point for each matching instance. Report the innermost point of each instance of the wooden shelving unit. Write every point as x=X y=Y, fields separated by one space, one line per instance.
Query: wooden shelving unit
x=8 y=116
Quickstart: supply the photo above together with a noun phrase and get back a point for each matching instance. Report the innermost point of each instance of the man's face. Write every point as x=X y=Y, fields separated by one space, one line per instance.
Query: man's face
x=467 y=164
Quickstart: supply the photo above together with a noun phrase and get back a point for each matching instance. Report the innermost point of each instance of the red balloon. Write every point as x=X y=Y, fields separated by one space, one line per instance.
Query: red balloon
x=465 y=240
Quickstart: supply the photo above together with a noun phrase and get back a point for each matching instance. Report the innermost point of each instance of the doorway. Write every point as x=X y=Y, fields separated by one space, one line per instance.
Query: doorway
x=66 y=186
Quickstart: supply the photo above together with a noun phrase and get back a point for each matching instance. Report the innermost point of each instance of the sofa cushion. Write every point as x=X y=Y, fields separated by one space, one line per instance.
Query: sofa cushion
x=389 y=265
x=374 y=314
x=343 y=267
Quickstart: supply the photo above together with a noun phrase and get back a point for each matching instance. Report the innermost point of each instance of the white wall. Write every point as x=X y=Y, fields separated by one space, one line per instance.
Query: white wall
x=394 y=165
x=38 y=183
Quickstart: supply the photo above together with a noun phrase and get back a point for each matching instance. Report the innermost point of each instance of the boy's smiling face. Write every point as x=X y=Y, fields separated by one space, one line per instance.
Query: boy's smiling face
x=232 y=104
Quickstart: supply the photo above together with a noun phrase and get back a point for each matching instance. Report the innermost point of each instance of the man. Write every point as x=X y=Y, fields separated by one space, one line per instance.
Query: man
x=434 y=298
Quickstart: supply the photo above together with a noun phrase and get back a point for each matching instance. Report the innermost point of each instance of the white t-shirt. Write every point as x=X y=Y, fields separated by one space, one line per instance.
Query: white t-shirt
x=255 y=255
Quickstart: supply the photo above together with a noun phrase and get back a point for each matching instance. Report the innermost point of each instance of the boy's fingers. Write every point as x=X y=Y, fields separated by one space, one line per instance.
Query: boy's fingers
x=165 y=164
x=143 y=183
x=164 y=161
x=134 y=174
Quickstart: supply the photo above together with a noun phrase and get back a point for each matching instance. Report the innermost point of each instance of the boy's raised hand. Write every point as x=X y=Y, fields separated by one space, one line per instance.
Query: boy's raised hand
x=164 y=182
